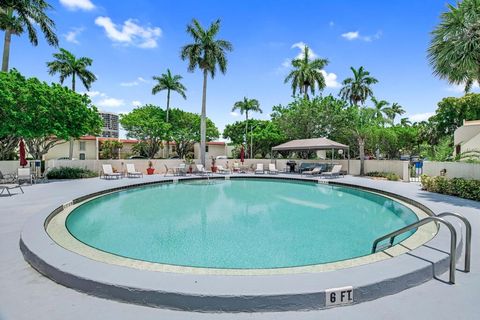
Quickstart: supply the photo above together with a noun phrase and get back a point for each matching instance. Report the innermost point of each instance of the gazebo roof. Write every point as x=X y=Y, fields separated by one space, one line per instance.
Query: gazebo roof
x=310 y=144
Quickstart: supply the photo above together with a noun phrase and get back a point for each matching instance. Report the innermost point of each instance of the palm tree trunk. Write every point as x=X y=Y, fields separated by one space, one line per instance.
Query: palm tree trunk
x=361 y=149
x=168 y=109
x=203 y=119
x=70 y=149
x=246 y=131
x=306 y=92
x=6 y=50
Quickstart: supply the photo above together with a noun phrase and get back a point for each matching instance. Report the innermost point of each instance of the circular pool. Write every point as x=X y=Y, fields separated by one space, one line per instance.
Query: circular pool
x=238 y=223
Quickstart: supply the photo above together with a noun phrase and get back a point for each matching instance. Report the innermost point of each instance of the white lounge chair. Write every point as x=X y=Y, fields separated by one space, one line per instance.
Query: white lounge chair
x=182 y=169
x=221 y=169
x=8 y=187
x=314 y=172
x=335 y=172
x=131 y=172
x=272 y=169
x=202 y=171
x=24 y=174
x=236 y=167
x=169 y=170
x=259 y=169
x=7 y=177
x=108 y=172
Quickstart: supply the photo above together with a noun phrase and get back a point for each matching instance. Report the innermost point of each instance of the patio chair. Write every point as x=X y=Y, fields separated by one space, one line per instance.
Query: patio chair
x=7 y=177
x=335 y=173
x=315 y=171
x=259 y=169
x=108 y=172
x=222 y=170
x=24 y=174
x=236 y=167
x=202 y=171
x=272 y=169
x=8 y=187
x=132 y=173
x=167 y=170
x=44 y=176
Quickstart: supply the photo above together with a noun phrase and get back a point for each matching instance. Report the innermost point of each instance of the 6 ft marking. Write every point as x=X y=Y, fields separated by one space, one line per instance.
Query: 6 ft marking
x=338 y=296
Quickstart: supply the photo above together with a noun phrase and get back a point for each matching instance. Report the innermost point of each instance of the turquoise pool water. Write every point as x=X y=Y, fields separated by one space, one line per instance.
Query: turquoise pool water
x=238 y=223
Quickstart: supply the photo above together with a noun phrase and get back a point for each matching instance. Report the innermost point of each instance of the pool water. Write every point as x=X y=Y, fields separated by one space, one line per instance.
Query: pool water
x=238 y=223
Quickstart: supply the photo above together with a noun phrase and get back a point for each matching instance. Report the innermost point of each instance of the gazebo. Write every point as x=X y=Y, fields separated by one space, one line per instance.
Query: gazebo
x=314 y=145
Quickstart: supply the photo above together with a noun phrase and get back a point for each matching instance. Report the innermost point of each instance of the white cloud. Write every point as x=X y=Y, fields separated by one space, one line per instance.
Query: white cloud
x=71 y=36
x=330 y=79
x=355 y=35
x=130 y=33
x=136 y=103
x=86 y=5
x=110 y=103
x=301 y=45
x=134 y=83
x=418 y=117
x=234 y=114
x=93 y=94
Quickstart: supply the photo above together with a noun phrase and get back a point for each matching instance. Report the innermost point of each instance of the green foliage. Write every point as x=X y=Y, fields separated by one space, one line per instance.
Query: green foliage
x=67 y=65
x=44 y=115
x=140 y=149
x=147 y=124
x=459 y=187
x=442 y=151
x=357 y=89
x=388 y=175
x=169 y=82
x=454 y=51
x=70 y=173
x=307 y=74
x=110 y=149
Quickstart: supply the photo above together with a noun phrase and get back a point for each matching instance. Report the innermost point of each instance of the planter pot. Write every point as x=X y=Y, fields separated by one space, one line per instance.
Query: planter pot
x=150 y=171
x=190 y=169
x=214 y=169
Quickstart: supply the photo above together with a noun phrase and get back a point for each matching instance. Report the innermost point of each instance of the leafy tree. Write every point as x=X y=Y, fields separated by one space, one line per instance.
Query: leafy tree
x=381 y=109
x=245 y=106
x=147 y=124
x=206 y=52
x=454 y=51
x=185 y=130
x=169 y=82
x=394 y=110
x=140 y=149
x=18 y=16
x=43 y=115
x=307 y=74
x=110 y=149
x=357 y=89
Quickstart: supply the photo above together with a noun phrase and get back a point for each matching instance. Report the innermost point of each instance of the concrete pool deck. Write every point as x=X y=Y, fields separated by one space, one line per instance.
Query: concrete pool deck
x=26 y=294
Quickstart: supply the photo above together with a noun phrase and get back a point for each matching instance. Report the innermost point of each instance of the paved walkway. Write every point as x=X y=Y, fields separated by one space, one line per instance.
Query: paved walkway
x=25 y=294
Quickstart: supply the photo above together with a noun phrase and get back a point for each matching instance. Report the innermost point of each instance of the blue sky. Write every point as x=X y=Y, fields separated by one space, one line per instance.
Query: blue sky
x=131 y=41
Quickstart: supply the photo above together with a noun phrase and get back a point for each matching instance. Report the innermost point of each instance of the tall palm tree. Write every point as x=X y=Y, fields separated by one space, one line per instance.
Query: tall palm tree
x=381 y=109
x=206 y=52
x=454 y=51
x=307 y=74
x=357 y=89
x=394 y=110
x=169 y=82
x=247 y=105
x=16 y=16
x=67 y=65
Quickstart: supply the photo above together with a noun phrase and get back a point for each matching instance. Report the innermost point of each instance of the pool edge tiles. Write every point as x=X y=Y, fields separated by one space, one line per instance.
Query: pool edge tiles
x=57 y=231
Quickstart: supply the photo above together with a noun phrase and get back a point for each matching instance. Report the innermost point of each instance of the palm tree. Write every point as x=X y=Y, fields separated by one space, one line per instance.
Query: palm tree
x=16 y=16
x=307 y=74
x=394 y=110
x=454 y=51
x=244 y=106
x=357 y=89
x=66 y=64
x=206 y=52
x=169 y=82
x=381 y=109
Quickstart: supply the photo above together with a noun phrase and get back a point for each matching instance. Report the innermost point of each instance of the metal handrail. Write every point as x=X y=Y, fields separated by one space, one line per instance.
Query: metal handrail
x=453 y=239
x=468 y=236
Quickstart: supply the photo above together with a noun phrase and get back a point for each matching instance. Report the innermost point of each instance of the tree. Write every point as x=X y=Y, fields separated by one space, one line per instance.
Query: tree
x=16 y=16
x=66 y=64
x=357 y=89
x=185 y=130
x=454 y=51
x=110 y=149
x=381 y=110
x=394 y=110
x=148 y=125
x=307 y=74
x=169 y=82
x=244 y=107
x=43 y=115
x=206 y=52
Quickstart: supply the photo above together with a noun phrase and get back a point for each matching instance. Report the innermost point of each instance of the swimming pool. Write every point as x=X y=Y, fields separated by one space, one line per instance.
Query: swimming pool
x=238 y=224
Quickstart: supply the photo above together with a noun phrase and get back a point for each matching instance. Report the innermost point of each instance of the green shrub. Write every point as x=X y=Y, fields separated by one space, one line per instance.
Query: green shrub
x=463 y=188
x=70 y=173
x=389 y=175
x=392 y=176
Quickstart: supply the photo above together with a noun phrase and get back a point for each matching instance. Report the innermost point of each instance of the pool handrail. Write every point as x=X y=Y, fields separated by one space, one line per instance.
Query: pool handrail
x=453 y=239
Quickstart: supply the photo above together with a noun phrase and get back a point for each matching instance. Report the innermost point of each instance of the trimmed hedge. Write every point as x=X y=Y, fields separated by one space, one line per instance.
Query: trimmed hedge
x=389 y=175
x=70 y=173
x=459 y=187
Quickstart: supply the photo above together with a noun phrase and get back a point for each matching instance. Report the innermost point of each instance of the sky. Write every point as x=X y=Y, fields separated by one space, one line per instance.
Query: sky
x=131 y=41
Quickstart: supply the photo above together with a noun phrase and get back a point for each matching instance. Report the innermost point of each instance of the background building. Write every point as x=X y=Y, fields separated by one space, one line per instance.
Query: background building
x=110 y=124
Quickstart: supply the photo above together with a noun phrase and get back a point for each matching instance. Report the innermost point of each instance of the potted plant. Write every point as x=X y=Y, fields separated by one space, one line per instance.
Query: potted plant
x=150 y=169
x=214 y=166
x=189 y=161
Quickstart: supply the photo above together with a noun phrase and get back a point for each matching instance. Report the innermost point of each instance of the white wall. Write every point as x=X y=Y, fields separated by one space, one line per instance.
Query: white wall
x=454 y=169
x=10 y=166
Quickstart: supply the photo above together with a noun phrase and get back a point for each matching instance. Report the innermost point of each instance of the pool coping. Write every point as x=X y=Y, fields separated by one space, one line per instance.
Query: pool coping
x=194 y=292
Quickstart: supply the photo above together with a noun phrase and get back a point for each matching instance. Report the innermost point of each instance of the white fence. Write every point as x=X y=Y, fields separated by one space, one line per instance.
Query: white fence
x=454 y=169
